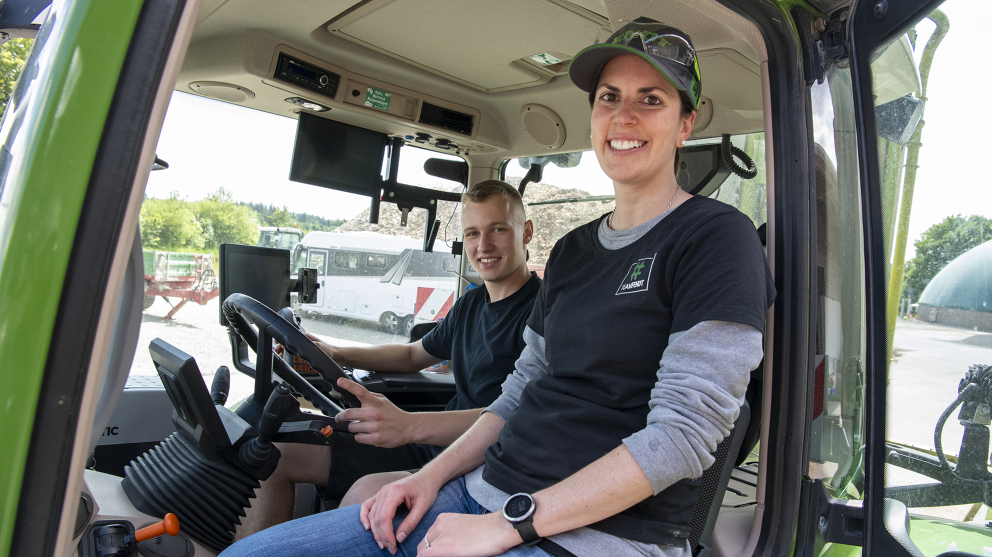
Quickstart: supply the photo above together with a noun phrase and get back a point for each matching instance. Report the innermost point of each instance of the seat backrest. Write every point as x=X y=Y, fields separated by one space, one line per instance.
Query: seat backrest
x=714 y=485
x=420 y=330
x=752 y=431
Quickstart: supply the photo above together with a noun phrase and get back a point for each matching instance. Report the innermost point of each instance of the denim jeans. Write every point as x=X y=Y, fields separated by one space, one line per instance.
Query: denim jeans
x=340 y=533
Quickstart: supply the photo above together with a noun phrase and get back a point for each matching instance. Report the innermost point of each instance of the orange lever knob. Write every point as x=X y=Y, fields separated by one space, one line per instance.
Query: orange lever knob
x=169 y=525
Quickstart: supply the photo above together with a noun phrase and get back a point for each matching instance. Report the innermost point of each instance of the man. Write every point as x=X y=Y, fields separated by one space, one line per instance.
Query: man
x=482 y=335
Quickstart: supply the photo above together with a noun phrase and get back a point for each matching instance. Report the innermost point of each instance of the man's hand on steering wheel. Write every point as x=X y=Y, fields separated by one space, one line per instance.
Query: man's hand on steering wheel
x=378 y=421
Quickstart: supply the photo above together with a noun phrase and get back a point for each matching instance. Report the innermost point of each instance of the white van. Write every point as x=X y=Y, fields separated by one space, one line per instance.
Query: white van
x=374 y=277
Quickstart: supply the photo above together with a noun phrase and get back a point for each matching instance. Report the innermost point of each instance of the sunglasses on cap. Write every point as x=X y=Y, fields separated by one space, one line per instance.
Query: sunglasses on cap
x=667 y=46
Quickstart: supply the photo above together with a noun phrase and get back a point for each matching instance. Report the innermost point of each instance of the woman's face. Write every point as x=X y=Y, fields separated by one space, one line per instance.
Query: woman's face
x=637 y=122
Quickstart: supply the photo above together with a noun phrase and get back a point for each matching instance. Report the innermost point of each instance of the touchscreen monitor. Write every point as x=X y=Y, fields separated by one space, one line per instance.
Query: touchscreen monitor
x=262 y=273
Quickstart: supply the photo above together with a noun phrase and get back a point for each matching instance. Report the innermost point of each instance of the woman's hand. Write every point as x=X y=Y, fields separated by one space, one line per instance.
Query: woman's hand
x=417 y=492
x=468 y=535
x=377 y=422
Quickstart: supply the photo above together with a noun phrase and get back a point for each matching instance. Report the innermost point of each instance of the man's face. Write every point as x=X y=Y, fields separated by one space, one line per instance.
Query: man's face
x=496 y=237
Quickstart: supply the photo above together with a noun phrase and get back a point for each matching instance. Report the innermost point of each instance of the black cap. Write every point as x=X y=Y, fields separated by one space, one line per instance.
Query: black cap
x=666 y=48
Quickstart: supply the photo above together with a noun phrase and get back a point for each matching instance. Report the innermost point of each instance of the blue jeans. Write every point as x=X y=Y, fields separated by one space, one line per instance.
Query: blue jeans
x=340 y=533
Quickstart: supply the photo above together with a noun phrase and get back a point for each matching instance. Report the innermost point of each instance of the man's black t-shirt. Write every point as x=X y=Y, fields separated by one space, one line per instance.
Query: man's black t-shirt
x=482 y=340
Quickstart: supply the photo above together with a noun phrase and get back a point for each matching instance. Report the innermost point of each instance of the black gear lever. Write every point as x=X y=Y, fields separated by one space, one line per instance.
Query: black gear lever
x=255 y=452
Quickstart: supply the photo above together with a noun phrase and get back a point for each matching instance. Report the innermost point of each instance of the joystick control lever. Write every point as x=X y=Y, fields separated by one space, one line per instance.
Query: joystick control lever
x=220 y=386
x=255 y=452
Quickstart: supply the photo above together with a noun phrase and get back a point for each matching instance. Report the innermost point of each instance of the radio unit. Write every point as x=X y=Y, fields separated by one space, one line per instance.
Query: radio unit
x=307 y=75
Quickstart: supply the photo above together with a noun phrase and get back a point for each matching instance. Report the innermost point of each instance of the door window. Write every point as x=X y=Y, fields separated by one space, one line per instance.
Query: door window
x=316 y=260
x=937 y=233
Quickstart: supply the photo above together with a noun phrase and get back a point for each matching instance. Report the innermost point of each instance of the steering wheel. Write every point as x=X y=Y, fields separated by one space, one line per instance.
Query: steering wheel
x=242 y=311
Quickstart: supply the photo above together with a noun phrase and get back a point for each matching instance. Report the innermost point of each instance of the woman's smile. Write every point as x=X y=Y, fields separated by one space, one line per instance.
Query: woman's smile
x=637 y=123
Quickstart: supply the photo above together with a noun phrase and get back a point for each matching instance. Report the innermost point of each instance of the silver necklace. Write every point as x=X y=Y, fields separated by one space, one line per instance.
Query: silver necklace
x=609 y=219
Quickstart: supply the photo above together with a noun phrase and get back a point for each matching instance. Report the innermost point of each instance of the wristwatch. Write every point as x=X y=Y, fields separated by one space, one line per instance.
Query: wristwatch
x=519 y=511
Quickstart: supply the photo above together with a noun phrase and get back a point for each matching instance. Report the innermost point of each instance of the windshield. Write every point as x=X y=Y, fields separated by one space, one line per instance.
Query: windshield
x=279 y=238
x=226 y=182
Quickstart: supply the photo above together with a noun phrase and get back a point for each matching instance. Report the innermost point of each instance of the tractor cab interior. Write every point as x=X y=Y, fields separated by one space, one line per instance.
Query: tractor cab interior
x=401 y=125
x=360 y=123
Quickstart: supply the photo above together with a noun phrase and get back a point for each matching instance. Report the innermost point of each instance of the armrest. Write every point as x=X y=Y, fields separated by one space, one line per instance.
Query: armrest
x=381 y=382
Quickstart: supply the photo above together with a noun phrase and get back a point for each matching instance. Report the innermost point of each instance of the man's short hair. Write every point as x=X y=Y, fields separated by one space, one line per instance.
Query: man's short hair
x=485 y=189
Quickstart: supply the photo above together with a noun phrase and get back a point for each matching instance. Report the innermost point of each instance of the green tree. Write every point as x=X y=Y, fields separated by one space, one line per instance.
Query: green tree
x=170 y=224
x=13 y=54
x=281 y=217
x=225 y=221
x=939 y=245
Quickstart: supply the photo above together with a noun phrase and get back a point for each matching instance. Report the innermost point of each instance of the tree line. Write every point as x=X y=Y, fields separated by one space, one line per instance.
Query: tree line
x=13 y=54
x=174 y=224
x=938 y=246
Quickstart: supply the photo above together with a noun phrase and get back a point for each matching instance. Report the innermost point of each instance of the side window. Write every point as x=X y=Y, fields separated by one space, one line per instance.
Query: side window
x=748 y=196
x=574 y=190
x=346 y=259
x=376 y=261
x=937 y=233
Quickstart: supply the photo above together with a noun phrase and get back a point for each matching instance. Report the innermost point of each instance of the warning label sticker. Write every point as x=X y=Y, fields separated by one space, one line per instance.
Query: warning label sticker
x=545 y=59
x=378 y=99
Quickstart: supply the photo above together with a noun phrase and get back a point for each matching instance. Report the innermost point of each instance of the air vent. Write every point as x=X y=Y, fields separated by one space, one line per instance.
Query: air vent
x=446 y=119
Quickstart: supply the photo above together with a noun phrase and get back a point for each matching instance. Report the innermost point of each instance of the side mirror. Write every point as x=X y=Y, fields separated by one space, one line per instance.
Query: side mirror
x=456 y=171
x=897 y=120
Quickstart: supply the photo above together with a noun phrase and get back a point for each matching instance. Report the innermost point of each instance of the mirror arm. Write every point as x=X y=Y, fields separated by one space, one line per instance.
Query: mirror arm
x=535 y=174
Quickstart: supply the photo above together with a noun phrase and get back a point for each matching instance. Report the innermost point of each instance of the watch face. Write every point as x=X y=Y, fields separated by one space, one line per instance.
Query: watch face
x=518 y=506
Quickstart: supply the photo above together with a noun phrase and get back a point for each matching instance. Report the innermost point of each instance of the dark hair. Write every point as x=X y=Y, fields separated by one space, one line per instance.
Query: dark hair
x=685 y=112
x=485 y=189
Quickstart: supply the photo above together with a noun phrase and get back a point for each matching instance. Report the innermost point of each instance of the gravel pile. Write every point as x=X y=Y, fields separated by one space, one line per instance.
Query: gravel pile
x=550 y=221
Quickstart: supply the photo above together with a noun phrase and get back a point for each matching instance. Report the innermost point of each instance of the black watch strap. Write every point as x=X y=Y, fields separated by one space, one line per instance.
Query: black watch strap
x=527 y=531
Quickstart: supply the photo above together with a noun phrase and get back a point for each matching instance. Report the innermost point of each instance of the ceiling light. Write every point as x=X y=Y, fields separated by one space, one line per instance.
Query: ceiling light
x=309 y=105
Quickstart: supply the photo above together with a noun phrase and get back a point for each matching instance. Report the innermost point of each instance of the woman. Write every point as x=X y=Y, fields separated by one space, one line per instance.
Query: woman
x=599 y=442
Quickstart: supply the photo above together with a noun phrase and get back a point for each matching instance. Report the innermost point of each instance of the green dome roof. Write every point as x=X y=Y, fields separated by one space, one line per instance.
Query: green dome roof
x=965 y=283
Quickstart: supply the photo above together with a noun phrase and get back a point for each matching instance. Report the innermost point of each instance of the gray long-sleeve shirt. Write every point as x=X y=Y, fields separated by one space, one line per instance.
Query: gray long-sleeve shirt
x=702 y=378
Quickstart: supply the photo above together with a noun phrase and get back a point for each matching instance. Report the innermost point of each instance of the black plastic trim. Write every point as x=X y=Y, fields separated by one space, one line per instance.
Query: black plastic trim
x=828 y=520
x=792 y=148
x=108 y=192
x=866 y=31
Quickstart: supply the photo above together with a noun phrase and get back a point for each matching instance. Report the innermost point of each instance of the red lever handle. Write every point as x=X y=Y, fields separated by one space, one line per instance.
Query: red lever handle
x=169 y=525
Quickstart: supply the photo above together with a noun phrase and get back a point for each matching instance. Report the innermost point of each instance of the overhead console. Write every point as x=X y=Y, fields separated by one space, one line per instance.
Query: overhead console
x=427 y=120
